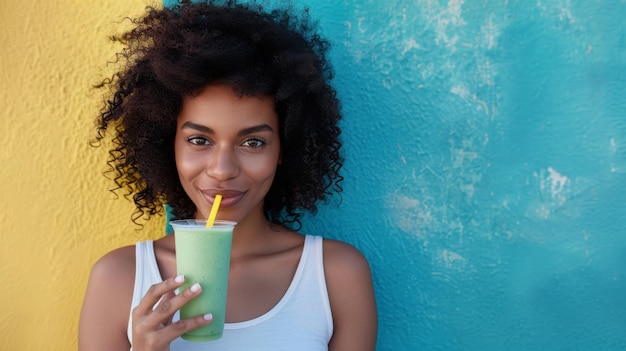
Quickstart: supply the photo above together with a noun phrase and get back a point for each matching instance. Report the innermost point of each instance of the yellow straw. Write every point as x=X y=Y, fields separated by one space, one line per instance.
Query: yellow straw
x=214 y=208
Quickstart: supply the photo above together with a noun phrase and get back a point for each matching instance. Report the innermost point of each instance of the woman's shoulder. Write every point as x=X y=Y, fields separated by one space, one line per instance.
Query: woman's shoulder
x=114 y=273
x=344 y=258
x=345 y=267
x=351 y=295
x=120 y=261
x=107 y=302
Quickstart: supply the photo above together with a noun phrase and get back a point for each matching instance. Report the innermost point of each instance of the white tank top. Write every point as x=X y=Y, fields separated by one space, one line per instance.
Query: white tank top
x=301 y=320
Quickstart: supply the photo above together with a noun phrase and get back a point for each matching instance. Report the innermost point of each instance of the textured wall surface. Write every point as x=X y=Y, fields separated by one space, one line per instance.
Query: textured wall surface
x=486 y=169
x=485 y=174
x=56 y=212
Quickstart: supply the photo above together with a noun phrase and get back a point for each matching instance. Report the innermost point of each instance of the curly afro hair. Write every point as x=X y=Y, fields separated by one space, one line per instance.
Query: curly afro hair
x=175 y=52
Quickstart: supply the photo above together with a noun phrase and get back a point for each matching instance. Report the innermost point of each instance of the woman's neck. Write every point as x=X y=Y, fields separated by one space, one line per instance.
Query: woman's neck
x=254 y=235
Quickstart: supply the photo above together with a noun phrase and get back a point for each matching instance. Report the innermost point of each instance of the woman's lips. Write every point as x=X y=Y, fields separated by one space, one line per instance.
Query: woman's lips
x=229 y=197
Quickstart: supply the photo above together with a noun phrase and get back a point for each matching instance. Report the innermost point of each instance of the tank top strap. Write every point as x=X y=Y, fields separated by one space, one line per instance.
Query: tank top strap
x=146 y=274
x=317 y=259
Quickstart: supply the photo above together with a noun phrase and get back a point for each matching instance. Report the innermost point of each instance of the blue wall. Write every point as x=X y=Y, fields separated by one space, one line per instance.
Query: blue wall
x=486 y=168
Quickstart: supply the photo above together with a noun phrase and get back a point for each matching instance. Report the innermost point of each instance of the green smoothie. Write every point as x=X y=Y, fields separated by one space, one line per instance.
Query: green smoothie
x=203 y=256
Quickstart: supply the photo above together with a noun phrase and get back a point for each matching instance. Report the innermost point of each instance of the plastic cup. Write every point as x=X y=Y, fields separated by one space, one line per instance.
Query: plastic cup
x=203 y=256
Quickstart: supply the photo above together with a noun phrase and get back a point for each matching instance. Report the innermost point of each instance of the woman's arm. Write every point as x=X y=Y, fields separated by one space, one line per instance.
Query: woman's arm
x=106 y=307
x=352 y=300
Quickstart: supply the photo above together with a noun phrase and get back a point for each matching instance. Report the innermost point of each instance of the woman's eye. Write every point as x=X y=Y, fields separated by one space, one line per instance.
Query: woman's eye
x=254 y=143
x=198 y=140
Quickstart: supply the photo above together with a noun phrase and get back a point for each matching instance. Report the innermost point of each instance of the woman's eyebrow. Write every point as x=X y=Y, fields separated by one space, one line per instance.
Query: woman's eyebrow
x=254 y=129
x=198 y=127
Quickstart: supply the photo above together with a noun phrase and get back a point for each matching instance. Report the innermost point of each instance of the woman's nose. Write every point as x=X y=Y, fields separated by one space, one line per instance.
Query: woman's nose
x=223 y=164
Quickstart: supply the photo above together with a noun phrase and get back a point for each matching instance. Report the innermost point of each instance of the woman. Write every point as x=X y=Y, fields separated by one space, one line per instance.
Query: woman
x=228 y=98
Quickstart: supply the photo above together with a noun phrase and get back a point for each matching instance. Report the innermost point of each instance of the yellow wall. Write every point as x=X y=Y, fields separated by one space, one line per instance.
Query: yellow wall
x=56 y=212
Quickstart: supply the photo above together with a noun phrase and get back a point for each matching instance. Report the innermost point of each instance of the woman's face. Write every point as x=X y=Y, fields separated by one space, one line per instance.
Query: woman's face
x=229 y=145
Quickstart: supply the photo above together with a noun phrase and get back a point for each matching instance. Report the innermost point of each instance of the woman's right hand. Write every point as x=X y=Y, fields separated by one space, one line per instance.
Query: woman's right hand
x=153 y=329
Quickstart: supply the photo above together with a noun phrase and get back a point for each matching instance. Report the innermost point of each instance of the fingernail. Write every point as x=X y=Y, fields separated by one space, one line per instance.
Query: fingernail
x=179 y=278
x=195 y=287
x=208 y=316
